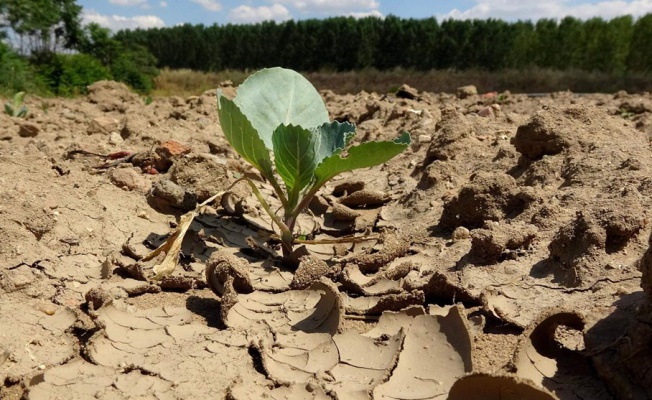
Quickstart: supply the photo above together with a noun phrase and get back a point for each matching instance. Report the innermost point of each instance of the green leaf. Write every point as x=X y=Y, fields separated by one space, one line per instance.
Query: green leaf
x=361 y=156
x=9 y=110
x=294 y=155
x=243 y=137
x=278 y=96
x=333 y=136
x=18 y=99
x=22 y=112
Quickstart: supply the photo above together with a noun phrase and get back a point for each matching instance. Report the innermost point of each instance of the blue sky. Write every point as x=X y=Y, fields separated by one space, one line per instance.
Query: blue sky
x=120 y=14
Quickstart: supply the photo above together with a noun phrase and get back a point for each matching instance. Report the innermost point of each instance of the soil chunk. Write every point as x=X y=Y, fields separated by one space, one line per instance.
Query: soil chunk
x=488 y=197
x=167 y=194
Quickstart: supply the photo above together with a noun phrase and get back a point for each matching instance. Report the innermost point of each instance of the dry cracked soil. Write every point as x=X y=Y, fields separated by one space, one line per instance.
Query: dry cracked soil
x=504 y=255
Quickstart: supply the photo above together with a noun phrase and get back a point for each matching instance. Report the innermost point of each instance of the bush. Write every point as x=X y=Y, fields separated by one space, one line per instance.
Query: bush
x=70 y=74
x=136 y=68
x=16 y=75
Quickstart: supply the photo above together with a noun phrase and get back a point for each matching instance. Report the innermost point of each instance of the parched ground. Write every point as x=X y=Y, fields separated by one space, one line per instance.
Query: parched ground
x=505 y=252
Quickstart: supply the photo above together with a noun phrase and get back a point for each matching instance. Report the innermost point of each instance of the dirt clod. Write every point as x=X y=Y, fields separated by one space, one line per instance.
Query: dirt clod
x=167 y=194
x=203 y=174
x=28 y=129
x=500 y=241
x=310 y=270
x=488 y=197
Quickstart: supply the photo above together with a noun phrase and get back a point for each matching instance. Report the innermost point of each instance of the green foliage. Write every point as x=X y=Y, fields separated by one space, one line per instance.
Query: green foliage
x=132 y=64
x=278 y=110
x=345 y=43
x=42 y=27
x=16 y=74
x=16 y=107
x=136 y=67
x=640 y=54
x=70 y=74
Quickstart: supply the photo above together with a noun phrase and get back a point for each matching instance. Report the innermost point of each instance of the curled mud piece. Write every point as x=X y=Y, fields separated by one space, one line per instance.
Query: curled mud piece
x=548 y=355
x=387 y=281
x=376 y=305
x=105 y=293
x=310 y=270
x=394 y=246
x=221 y=266
x=341 y=212
x=347 y=187
x=437 y=351
x=365 y=198
x=497 y=387
x=439 y=288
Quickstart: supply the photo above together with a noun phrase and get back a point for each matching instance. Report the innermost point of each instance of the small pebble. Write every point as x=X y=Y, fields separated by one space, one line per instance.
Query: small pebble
x=115 y=138
x=47 y=309
x=511 y=270
x=461 y=233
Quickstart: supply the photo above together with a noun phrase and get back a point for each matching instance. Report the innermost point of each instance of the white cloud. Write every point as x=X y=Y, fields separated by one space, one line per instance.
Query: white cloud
x=533 y=10
x=210 y=5
x=163 y=4
x=372 y=13
x=248 y=14
x=340 y=7
x=128 y=2
x=117 y=22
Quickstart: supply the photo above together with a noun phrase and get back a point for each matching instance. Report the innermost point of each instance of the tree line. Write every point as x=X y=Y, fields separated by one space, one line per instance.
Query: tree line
x=618 y=45
x=45 y=47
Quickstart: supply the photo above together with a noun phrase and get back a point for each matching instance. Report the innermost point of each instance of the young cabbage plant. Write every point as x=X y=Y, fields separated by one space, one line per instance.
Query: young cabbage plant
x=278 y=110
x=16 y=108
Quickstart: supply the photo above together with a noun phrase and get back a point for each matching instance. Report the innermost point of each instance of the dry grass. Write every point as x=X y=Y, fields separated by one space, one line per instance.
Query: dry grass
x=186 y=82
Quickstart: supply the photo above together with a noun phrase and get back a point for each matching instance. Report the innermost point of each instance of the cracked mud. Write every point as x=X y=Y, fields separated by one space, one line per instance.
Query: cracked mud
x=502 y=253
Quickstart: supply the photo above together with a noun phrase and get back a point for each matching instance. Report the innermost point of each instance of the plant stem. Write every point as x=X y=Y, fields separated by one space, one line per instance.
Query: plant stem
x=282 y=226
x=306 y=200
x=279 y=192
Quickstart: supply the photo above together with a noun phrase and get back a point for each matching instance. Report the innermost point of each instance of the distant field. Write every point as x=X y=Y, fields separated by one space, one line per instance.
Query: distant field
x=186 y=82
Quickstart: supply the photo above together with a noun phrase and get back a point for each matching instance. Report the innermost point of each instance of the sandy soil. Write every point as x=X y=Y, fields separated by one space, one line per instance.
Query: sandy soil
x=505 y=254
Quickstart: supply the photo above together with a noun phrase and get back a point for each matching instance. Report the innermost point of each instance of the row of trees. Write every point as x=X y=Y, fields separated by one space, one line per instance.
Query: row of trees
x=46 y=46
x=618 y=45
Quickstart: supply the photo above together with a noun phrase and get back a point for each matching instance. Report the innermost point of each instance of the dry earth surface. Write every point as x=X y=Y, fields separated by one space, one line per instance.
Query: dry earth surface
x=505 y=254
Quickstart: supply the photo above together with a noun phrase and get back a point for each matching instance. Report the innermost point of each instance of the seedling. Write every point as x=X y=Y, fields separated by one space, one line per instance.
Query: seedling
x=277 y=110
x=16 y=108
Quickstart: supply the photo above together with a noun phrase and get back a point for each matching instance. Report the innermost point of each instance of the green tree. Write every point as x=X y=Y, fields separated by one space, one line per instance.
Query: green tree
x=640 y=50
x=39 y=28
x=521 y=45
x=569 y=53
